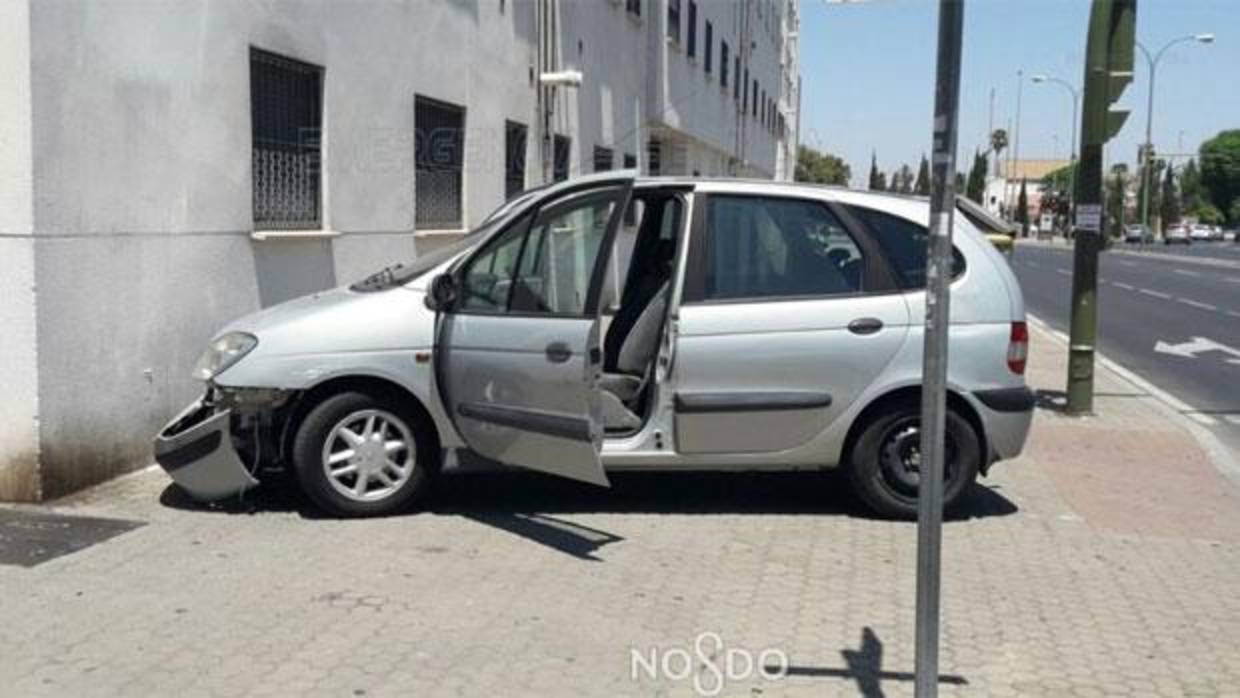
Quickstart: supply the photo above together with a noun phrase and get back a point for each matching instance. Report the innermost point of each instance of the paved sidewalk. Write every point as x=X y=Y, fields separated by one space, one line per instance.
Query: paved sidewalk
x=1103 y=562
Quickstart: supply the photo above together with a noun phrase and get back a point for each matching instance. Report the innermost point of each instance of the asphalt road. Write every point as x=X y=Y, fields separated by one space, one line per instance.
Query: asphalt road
x=1170 y=315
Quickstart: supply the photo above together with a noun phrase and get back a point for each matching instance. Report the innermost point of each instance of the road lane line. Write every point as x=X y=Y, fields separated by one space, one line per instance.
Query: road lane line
x=1127 y=263
x=1233 y=313
x=1156 y=294
x=1232 y=279
x=1197 y=304
x=1233 y=418
x=1126 y=287
x=1186 y=272
x=1065 y=272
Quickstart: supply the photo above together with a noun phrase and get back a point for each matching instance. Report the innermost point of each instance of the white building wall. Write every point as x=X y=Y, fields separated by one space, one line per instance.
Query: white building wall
x=125 y=134
x=19 y=400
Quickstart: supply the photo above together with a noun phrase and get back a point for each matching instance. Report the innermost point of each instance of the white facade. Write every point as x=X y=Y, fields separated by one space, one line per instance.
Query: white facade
x=127 y=232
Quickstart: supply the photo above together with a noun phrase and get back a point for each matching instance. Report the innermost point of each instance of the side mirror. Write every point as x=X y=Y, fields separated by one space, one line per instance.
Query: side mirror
x=442 y=293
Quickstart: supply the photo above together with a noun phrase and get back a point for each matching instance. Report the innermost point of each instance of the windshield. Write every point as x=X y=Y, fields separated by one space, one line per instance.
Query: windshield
x=404 y=272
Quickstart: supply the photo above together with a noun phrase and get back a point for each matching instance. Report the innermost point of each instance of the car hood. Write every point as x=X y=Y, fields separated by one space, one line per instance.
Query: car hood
x=340 y=320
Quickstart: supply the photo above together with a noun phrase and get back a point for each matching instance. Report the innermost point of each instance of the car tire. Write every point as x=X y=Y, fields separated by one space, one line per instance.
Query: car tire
x=353 y=435
x=882 y=461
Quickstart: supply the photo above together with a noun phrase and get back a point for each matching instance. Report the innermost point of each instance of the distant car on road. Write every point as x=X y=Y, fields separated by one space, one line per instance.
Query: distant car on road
x=1201 y=232
x=1177 y=235
x=1138 y=233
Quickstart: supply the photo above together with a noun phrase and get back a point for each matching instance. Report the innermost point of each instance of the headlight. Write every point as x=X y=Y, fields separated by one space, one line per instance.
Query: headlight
x=222 y=353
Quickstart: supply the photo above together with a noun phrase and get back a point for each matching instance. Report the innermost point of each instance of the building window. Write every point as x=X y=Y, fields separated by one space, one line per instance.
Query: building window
x=634 y=7
x=755 y=98
x=673 y=20
x=603 y=159
x=630 y=161
x=710 y=38
x=691 y=49
x=563 y=146
x=515 y=140
x=723 y=64
x=439 y=157
x=654 y=161
x=736 y=84
x=286 y=116
x=745 y=96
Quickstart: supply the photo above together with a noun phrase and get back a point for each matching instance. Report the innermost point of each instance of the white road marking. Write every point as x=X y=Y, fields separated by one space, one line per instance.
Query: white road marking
x=1126 y=287
x=1065 y=272
x=1195 y=346
x=1232 y=279
x=1233 y=313
x=1156 y=294
x=1127 y=263
x=1197 y=304
x=1186 y=272
x=1033 y=265
x=1233 y=418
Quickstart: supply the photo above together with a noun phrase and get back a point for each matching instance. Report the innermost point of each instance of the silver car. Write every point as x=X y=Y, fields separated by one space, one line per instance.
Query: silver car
x=619 y=323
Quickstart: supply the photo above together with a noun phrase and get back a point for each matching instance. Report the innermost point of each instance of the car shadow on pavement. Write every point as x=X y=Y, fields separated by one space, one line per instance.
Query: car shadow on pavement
x=865 y=666
x=528 y=504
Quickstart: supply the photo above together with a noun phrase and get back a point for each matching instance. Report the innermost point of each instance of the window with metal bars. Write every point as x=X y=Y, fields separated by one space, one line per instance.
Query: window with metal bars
x=515 y=138
x=630 y=161
x=439 y=158
x=603 y=158
x=710 y=39
x=691 y=48
x=723 y=64
x=673 y=20
x=563 y=146
x=286 y=100
x=654 y=161
x=634 y=7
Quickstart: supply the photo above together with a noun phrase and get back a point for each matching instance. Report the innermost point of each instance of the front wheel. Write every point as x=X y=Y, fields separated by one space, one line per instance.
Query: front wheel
x=359 y=455
x=885 y=462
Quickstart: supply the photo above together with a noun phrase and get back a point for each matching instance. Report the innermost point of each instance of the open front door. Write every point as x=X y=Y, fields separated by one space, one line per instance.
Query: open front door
x=519 y=352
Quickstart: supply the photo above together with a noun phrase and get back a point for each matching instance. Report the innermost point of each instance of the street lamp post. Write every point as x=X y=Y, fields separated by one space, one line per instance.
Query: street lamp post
x=1148 y=150
x=1076 y=98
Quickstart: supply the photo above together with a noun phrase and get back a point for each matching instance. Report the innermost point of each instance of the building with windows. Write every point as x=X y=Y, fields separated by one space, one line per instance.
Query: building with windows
x=167 y=167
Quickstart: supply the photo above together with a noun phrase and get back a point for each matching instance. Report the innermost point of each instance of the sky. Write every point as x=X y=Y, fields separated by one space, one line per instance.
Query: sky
x=868 y=77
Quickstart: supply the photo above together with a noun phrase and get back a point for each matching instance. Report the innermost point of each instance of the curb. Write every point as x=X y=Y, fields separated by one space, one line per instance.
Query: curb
x=1220 y=455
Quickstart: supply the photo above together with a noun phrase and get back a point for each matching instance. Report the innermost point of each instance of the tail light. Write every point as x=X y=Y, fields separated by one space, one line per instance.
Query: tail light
x=1018 y=348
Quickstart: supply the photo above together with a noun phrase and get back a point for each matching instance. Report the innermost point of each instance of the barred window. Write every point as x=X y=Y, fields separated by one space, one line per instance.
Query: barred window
x=723 y=64
x=563 y=146
x=634 y=7
x=710 y=38
x=439 y=156
x=630 y=161
x=736 y=83
x=603 y=158
x=673 y=20
x=691 y=49
x=515 y=137
x=286 y=98
x=653 y=160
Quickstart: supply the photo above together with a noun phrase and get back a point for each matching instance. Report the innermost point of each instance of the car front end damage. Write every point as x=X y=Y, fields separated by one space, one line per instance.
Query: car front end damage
x=216 y=447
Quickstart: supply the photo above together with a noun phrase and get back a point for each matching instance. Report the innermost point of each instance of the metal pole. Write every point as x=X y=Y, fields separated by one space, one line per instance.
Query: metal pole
x=1020 y=87
x=1147 y=160
x=1072 y=149
x=934 y=366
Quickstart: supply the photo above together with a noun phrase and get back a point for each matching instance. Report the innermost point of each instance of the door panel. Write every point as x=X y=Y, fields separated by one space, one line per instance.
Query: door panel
x=778 y=373
x=519 y=359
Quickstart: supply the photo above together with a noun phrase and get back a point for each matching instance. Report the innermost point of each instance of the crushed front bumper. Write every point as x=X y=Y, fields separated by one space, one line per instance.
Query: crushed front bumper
x=197 y=452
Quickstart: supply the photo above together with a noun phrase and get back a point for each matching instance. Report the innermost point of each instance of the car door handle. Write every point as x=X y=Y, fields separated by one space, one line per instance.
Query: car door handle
x=559 y=352
x=865 y=325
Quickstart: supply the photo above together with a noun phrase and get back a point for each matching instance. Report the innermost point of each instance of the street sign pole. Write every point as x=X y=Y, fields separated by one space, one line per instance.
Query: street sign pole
x=1108 y=70
x=934 y=362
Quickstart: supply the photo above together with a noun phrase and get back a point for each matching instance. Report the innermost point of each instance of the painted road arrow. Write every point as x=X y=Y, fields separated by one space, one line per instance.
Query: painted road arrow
x=1197 y=345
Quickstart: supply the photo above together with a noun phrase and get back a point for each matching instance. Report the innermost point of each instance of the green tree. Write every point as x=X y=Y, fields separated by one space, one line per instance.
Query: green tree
x=976 y=187
x=1022 y=210
x=877 y=181
x=893 y=184
x=1170 y=209
x=902 y=180
x=922 y=186
x=1220 y=169
x=960 y=183
x=1234 y=212
x=1192 y=195
x=821 y=168
x=1154 y=182
x=1116 y=190
x=998 y=143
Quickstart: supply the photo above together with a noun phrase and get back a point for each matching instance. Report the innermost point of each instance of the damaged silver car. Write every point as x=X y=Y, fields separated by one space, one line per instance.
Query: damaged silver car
x=614 y=322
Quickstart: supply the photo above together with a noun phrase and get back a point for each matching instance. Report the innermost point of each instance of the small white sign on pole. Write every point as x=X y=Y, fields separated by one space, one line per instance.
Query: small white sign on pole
x=1089 y=217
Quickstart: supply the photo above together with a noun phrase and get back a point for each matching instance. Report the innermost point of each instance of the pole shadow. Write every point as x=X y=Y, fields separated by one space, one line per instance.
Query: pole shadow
x=865 y=666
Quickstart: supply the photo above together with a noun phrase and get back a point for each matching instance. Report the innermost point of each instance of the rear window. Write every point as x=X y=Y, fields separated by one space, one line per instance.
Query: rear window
x=904 y=243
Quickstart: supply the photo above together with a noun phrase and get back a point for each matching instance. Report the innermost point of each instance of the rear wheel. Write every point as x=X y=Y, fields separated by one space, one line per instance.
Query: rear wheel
x=885 y=463
x=360 y=455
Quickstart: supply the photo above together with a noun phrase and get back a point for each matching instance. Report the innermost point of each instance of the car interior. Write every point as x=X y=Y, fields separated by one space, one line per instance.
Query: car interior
x=640 y=288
